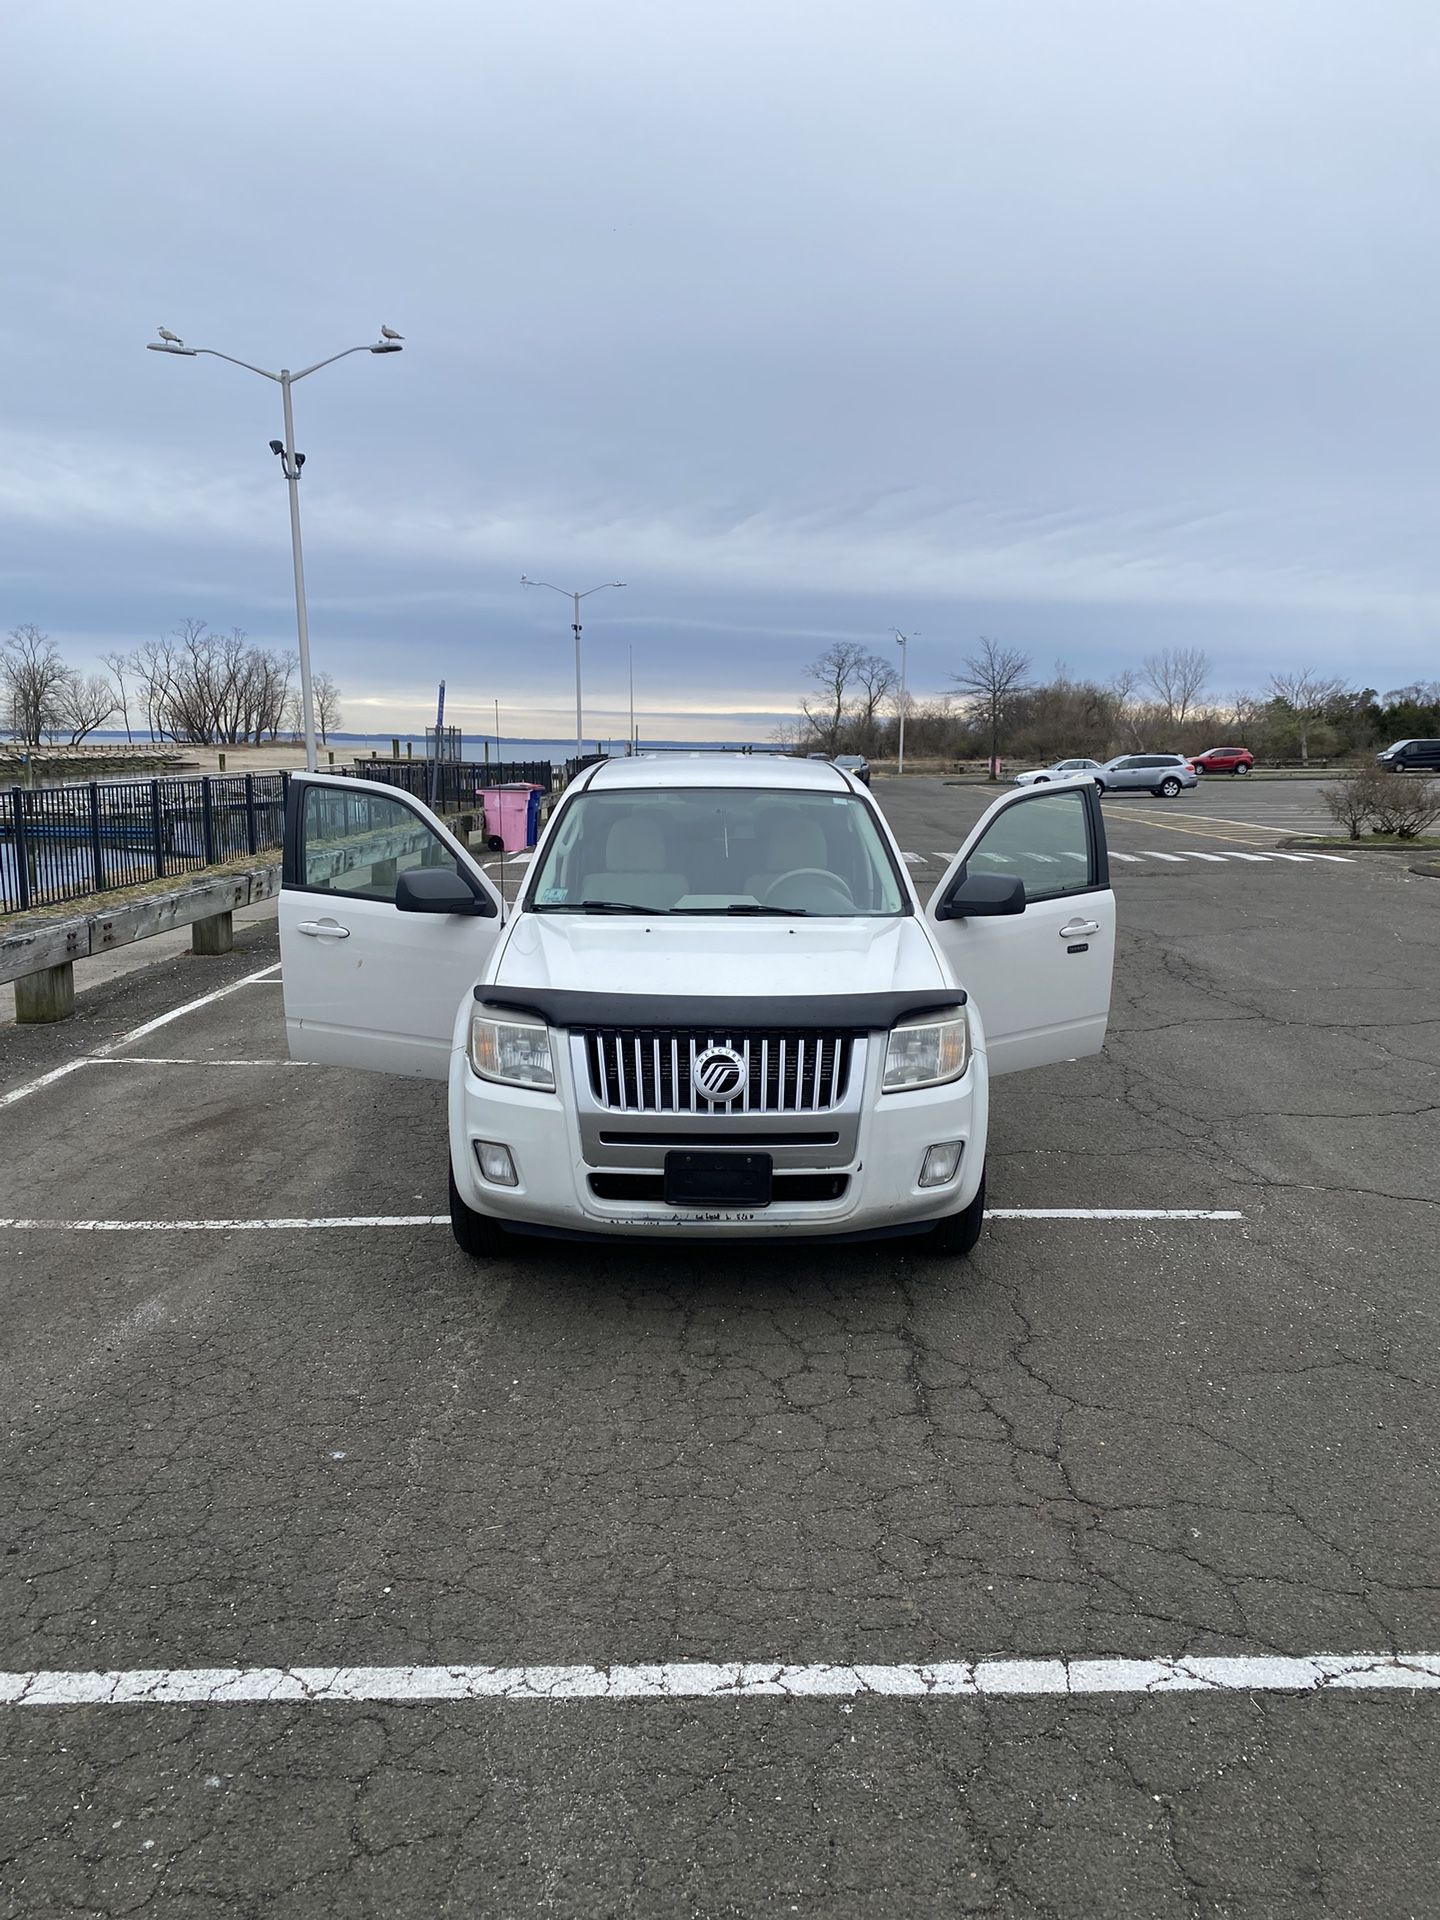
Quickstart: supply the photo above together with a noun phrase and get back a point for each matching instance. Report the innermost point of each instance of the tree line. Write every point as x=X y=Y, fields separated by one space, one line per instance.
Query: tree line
x=192 y=686
x=1167 y=704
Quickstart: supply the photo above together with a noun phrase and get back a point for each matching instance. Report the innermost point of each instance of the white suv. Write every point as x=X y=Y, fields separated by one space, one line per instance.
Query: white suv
x=717 y=1010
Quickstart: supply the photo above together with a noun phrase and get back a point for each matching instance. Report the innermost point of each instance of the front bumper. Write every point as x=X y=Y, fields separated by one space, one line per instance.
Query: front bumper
x=561 y=1146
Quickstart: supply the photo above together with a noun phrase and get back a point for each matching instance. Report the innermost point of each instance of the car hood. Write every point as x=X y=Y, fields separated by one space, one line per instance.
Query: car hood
x=734 y=958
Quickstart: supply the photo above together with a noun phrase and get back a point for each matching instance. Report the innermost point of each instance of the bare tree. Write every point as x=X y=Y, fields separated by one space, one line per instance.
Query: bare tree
x=1307 y=694
x=119 y=666
x=327 y=705
x=32 y=675
x=993 y=680
x=1177 y=676
x=878 y=682
x=82 y=703
x=835 y=672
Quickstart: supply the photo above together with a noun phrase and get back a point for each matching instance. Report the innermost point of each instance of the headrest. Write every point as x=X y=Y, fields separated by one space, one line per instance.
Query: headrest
x=635 y=845
x=797 y=843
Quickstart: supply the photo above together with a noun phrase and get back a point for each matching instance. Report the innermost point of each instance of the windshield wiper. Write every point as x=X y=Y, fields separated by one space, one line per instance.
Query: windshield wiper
x=745 y=906
x=612 y=906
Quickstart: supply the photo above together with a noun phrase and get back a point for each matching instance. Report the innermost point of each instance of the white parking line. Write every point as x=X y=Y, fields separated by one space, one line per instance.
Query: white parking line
x=724 y=1680
x=136 y=1033
x=1115 y=854
x=304 y=1224
x=1151 y=854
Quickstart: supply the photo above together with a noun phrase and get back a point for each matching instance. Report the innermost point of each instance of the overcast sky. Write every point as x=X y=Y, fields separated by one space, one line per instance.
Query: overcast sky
x=1096 y=327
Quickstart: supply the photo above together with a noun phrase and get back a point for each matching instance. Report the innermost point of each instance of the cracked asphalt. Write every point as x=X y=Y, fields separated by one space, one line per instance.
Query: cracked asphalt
x=1137 y=1439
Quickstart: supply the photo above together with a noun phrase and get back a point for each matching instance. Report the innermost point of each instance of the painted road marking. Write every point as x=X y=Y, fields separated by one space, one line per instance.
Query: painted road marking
x=136 y=1033
x=725 y=1680
x=1150 y=854
x=1115 y=855
x=913 y=859
x=302 y=1224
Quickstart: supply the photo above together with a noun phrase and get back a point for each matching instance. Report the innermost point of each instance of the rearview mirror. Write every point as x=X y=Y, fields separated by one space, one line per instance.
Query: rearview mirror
x=976 y=894
x=437 y=890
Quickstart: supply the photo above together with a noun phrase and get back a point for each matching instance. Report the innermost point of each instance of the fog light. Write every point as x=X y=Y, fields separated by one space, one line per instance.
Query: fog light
x=941 y=1163
x=496 y=1166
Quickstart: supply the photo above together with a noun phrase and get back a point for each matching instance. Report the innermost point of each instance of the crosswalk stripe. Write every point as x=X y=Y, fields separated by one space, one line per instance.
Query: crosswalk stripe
x=1114 y=855
x=1263 y=858
x=1151 y=854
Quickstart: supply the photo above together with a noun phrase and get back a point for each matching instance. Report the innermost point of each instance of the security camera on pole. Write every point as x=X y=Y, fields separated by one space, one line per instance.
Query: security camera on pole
x=902 y=640
x=291 y=462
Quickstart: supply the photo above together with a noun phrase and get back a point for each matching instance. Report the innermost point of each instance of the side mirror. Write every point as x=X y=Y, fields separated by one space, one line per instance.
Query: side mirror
x=978 y=894
x=437 y=890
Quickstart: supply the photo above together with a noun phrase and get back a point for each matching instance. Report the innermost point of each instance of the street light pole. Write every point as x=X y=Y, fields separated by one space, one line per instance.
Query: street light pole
x=631 y=747
x=574 y=598
x=902 y=640
x=302 y=618
x=291 y=462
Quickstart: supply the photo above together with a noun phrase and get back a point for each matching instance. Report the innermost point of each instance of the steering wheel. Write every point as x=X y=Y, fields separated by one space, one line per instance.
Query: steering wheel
x=830 y=883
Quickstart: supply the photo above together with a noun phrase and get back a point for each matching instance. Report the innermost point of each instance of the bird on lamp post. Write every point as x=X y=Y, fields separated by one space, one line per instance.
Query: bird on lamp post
x=170 y=339
x=389 y=333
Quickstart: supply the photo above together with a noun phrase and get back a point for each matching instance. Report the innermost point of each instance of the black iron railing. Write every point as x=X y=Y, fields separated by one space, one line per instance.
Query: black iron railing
x=68 y=843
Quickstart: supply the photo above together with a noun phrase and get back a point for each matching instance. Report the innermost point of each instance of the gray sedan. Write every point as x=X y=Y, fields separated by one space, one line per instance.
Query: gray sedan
x=1059 y=770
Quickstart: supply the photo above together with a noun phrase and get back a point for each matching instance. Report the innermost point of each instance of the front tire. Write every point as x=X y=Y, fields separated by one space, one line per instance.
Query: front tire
x=956 y=1236
x=475 y=1233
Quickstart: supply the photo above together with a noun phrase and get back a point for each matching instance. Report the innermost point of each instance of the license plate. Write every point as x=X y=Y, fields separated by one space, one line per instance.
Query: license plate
x=717 y=1179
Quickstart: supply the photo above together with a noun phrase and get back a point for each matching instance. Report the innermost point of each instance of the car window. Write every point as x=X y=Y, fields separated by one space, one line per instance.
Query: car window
x=1045 y=840
x=360 y=843
x=703 y=850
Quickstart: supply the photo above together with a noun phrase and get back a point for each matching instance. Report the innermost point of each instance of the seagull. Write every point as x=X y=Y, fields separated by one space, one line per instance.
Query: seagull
x=389 y=333
x=173 y=339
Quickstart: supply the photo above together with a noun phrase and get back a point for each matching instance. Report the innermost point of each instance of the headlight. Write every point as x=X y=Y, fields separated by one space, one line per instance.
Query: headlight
x=511 y=1049
x=927 y=1053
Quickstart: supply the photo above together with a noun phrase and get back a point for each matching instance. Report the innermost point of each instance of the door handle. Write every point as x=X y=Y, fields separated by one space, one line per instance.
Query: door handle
x=323 y=929
x=1074 y=930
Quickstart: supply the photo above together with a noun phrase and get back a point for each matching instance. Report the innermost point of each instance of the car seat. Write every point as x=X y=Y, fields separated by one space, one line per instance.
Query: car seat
x=792 y=844
x=635 y=867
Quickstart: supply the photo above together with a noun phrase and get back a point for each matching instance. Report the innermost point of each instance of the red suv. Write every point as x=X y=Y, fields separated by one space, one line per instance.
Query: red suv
x=1223 y=760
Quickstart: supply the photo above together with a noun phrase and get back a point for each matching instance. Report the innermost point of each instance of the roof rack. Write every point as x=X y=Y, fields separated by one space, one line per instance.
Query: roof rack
x=654 y=753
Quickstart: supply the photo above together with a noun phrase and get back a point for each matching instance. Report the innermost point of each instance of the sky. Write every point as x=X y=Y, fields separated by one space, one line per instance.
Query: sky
x=1093 y=328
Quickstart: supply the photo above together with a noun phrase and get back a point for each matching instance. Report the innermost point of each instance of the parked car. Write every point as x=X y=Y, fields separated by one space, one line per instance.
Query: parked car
x=1223 y=760
x=1406 y=754
x=854 y=763
x=717 y=1010
x=1058 y=770
x=1160 y=773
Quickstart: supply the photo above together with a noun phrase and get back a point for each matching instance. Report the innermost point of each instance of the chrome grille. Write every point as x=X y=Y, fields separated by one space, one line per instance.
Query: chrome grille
x=652 y=1070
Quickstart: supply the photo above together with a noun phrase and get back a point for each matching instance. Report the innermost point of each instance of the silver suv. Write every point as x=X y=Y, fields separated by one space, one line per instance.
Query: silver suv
x=1159 y=773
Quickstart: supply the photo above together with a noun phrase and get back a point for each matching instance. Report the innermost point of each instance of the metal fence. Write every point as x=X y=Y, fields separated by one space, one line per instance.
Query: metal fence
x=62 y=843
x=68 y=843
x=461 y=782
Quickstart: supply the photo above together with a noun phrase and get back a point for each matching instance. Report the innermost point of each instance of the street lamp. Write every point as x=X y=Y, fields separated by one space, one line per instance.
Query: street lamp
x=574 y=599
x=292 y=462
x=902 y=640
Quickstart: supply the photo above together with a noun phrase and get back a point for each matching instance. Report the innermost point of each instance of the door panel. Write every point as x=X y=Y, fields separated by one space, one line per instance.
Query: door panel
x=1041 y=978
x=366 y=985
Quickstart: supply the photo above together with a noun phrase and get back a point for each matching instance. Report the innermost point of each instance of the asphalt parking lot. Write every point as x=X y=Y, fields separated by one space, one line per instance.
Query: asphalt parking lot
x=624 y=1580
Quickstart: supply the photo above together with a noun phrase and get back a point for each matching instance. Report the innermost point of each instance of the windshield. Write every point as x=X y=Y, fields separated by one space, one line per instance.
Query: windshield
x=736 y=851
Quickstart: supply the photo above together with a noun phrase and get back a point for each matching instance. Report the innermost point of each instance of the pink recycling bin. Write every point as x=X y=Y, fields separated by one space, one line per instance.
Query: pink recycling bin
x=513 y=813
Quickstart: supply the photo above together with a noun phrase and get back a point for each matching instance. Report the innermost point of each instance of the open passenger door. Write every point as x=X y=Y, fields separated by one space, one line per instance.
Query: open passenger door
x=386 y=923
x=1027 y=921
